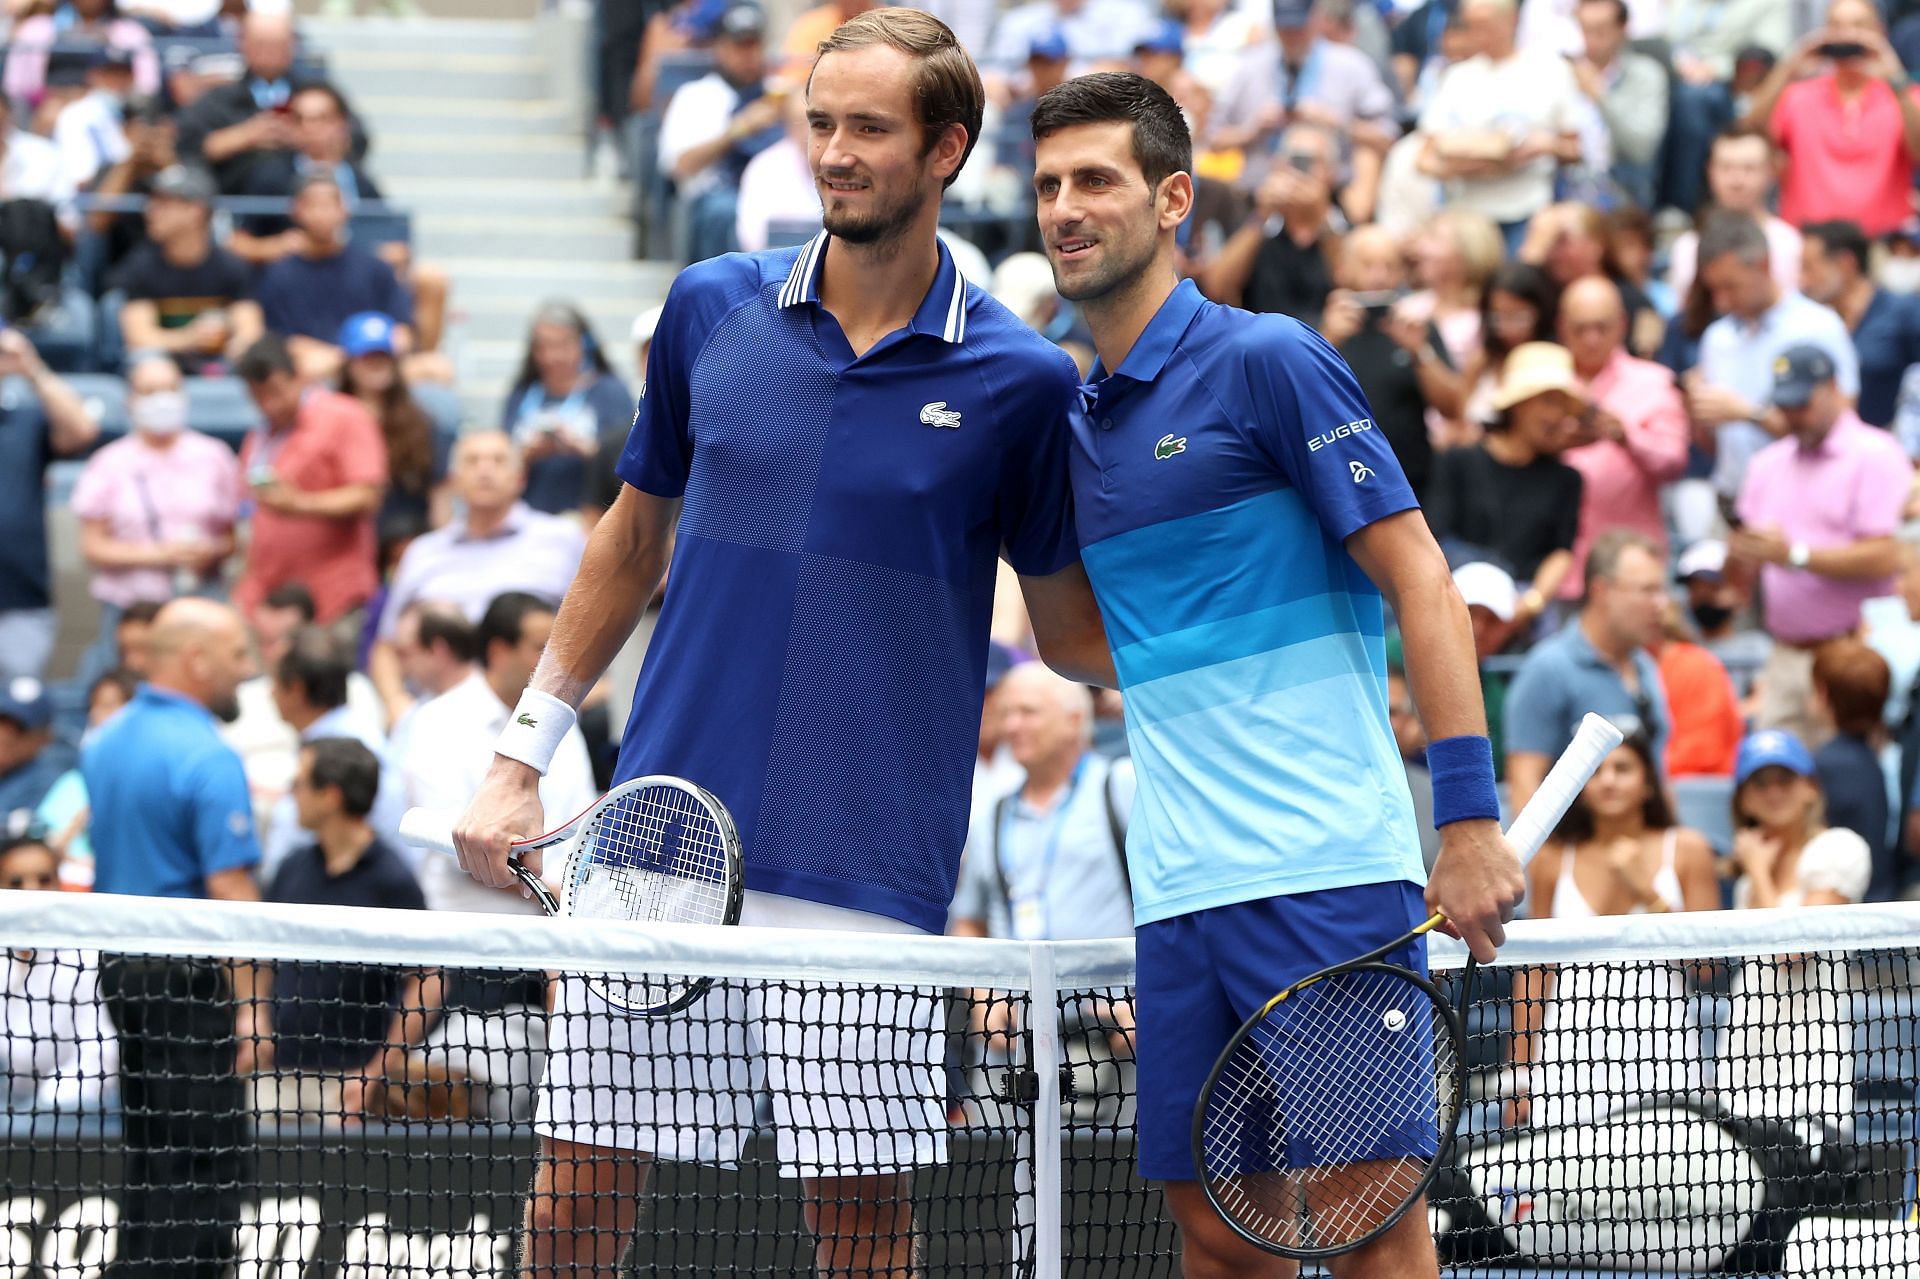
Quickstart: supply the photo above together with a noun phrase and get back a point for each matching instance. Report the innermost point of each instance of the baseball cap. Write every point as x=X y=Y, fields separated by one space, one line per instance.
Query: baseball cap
x=368 y=333
x=701 y=21
x=741 y=20
x=1164 y=36
x=1291 y=15
x=1706 y=558
x=1050 y=45
x=23 y=699
x=1797 y=371
x=1489 y=586
x=1767 y=749
x=183 y=182
x=1907 y=232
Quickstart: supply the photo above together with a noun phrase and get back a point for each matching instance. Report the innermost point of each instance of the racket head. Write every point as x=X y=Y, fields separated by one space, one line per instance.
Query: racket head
x=654 y=850
x=1331 y=1110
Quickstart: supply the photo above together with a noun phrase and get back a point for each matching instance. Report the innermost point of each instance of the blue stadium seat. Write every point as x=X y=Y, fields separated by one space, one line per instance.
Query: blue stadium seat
x=442 y=404
x=1705 y=804
x=105 y=398
x=64 y=333
x=652 y=192
x=221 y=407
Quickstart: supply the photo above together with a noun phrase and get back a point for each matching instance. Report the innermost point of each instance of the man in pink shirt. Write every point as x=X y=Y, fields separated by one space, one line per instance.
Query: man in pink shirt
x=1818 y=513
x=1851 y=135
x=317 y=474
x=1635 y=439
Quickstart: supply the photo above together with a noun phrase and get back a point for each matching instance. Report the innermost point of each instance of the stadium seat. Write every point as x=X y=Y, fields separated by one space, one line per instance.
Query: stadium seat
x=652 y=192
x=64 y=333
x=1705 y=804
x=442 y=404
x=221 y=407
x=105 y=398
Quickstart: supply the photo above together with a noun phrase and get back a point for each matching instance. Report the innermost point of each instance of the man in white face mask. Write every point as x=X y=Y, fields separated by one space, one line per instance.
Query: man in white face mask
x=156 y=508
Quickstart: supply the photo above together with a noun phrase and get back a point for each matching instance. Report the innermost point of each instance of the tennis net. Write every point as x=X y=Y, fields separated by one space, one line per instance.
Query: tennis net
x=272 y=1092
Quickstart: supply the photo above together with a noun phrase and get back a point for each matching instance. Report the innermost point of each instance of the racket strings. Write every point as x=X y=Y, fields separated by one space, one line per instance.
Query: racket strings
x=1326 y=1118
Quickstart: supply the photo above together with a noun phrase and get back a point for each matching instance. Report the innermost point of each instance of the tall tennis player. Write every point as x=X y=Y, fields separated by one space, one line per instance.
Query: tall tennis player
x=1241 y=518
x=848 y=435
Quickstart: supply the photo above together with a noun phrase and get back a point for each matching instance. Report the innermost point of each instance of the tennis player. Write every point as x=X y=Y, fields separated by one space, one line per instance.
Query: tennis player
x=849 y=435
x=1241 y=517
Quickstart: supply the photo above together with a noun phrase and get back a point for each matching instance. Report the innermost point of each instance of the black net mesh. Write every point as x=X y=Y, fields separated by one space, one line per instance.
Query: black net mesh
x=192 y=1118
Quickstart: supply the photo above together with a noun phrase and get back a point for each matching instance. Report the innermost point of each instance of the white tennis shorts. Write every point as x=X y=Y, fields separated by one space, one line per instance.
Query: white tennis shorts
x=853 y=1074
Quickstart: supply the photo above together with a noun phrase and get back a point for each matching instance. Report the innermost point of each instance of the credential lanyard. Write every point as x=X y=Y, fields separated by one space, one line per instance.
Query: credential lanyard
x=1028 y=909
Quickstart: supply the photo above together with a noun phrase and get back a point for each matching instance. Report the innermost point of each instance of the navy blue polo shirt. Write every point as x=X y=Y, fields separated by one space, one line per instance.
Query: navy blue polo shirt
x=25 y=575
x=1888 y=341
x=169 y=799
x=820 y=658
x=1217 y=474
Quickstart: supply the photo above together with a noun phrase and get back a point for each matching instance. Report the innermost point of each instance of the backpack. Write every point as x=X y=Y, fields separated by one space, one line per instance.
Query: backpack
x=33 y=257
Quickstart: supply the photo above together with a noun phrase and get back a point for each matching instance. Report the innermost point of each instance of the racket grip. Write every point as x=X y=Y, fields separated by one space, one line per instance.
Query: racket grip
x=1593 y=742
x=428 y=828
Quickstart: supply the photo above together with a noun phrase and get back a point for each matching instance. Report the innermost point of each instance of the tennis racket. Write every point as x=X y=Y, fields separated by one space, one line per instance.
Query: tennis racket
x=1332 y=1109
x=655 y=850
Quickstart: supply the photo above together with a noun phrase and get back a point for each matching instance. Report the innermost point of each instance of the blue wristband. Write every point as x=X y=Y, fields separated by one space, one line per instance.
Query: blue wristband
x=1463 y=789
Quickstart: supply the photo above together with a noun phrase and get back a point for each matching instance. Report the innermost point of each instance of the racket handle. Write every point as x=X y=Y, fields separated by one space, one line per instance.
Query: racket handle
x=1592 y=743
x=428 y=828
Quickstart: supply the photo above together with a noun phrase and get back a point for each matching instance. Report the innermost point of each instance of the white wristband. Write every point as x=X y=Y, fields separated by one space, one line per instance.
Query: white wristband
x=534 y=731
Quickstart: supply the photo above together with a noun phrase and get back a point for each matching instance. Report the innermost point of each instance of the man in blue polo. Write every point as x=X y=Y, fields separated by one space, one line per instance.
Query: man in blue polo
x=849 y=436
x=172 y=818
x=1241 y=517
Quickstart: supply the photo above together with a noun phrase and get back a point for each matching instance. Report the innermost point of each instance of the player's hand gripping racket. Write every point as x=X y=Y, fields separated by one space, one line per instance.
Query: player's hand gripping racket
x=656 y=850
x=1332 y=1109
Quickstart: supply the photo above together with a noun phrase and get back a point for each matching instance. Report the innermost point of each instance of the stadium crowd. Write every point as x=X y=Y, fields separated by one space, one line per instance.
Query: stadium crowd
x=1630 y=286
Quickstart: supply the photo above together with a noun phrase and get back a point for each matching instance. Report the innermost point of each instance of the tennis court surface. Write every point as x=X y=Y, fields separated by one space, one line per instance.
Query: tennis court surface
x=1703 y=1094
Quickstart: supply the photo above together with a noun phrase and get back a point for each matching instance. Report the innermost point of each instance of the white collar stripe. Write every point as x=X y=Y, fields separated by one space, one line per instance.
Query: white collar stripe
x=799 y=283
x=957 y=308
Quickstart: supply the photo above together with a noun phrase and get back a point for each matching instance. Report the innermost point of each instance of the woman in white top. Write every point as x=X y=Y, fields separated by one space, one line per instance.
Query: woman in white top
x=57 y=1046
x=1591 y=1039
x=1788 y=1053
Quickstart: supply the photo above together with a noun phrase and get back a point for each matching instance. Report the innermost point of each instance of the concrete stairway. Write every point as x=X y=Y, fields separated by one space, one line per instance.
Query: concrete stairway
x=479 y=128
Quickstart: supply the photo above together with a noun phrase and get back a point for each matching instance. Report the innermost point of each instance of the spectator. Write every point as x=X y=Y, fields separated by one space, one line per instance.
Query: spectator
x=310 y=296
x=30 y=167
x=90 y=132
x=603 y=482
x=1727 y=391
x=1630 y=253
x=1788 y=1054
x=564 y=405
x=1818 y=513
x=678 y=28
x=1281 y=260
x=171 y=818
x=1740 y=173
x=417 y=451
x=63 y=811
x=30 y=760
x=1454 y=259
x=77 y=22
x=450 y=746
x=151 y=136
x=57 y=1048
x=130 y=637
x=1217 y=35
x=1851 y=684
x=1885 y=326
x=1500 y=123
x=435 y=647
x=501 y=545
x=1401 y=363
x=809 y=27
x=309 y=686
x=1510 y=494
x=1569 y=243
x=1300 y=76
x=716 y=124
x=776 y=187
x=1583 y=1044
x=177 y=17
x=233 y=125
x=40 y=419
x=332 y=1034
x=1713 y=45
x=1517 y=307
x=157 y=507
x=1410 y=736
x=1492 y=601
x=1597 y=662
x=1719 y=596
x=1851 y=134
x=1707 y=723
x=318 y=473
x=321 y=142
x=186 y=296
x=1633 y=439
x=1626 y=91
x=1096 y=31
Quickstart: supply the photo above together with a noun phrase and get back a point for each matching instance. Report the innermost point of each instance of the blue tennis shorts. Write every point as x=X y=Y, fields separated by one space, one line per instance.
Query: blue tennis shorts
x=1200 y=975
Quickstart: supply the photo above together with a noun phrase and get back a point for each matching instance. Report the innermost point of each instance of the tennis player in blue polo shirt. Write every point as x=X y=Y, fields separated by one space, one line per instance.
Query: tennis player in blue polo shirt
x=849 y=436
x=1241 y=517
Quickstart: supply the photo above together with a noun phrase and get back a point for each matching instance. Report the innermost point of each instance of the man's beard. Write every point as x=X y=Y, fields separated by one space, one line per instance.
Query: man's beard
x=225 y=708
x=888 y=221
x=1118 y=273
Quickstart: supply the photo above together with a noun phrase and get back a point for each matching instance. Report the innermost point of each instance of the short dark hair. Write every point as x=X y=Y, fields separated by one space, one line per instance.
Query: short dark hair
x=1619 y=8
x=1603 y=559
x=1739 y=234
x=505 y=620
x=444 y=624
x=1161 y=143
x=1856 y=682
x=1841 y=236
x=125 y=680
x=266 y=357
x=293 y=595
x=348 y=766
x=316 y=662
x=946 y=84
x=138 y=612
x=321 y=86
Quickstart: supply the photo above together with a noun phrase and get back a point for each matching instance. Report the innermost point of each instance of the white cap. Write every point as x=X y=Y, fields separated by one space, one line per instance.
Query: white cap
x=1023 y=284
x=646 y=322
x=1489 y=586
x=1708 y=557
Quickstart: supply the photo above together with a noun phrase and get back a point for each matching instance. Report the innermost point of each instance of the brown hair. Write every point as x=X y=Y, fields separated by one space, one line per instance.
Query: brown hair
x=1656 y=812
x=946 y=85
x=1855 y=681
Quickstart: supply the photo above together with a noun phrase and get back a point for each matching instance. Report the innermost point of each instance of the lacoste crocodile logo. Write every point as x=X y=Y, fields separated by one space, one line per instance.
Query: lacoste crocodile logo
x=1168 y=446
x=938 y=414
